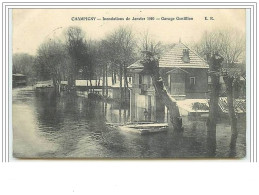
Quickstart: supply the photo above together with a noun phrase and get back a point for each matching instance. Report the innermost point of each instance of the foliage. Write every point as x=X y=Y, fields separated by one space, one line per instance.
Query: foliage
x=120 y=46
x=51 y=61
x=23 y=64
x=78 y=57
x=76 y=47
x=229 y=43
x=148 y=44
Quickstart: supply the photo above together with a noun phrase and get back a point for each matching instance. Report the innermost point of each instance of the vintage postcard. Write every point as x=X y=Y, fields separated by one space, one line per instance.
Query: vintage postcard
x=129 y=83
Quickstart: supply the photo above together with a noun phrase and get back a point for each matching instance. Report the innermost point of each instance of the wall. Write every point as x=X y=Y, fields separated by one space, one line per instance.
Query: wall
x=141 y=101
x=178 y=76
x=200 y=88
x=115 y=93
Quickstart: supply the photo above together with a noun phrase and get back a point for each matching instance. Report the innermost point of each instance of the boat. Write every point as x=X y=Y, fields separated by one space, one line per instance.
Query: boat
x=143 y=128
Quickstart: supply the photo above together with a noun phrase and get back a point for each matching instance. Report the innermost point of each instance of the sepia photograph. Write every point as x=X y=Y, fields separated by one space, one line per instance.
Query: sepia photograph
x=129 y=83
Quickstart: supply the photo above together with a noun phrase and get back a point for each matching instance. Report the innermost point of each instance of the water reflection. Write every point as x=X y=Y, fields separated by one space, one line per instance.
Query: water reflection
x=75 y=127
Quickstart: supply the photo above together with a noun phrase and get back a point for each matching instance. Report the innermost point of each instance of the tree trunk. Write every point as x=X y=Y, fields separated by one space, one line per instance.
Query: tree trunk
x=103 y=81
x=229 y=81
x=151 y=67
x=106 y=80
x=215 y=65
x=56 y=84
x=121 y=92
x=72 y=78
x=91 y=86
x=113 y=78
x=70 y=81
x=125 y=84
x=213 y=114
x=99 y=80
x=54 y=80
x=125 y=92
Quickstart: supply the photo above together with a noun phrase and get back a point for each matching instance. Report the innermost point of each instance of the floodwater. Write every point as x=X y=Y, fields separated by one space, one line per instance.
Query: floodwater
x=75 y=127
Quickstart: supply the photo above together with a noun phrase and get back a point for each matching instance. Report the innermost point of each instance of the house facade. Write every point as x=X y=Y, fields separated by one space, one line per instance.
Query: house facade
x=185 y=75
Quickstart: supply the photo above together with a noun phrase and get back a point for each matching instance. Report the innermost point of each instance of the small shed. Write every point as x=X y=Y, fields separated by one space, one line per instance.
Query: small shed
x=19 y=80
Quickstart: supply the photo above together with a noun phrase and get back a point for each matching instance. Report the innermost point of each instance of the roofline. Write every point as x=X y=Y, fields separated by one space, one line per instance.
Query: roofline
x=194 y=52
x=181 y=66
x=134 y=67
x=207 y=65
x=170 y=71
x=202 y=67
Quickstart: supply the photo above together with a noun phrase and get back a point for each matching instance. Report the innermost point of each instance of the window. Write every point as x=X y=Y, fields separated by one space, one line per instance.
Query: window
x=192 y=80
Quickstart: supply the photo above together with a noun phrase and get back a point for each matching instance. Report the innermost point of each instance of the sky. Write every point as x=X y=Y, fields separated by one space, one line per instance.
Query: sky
x=31 y=27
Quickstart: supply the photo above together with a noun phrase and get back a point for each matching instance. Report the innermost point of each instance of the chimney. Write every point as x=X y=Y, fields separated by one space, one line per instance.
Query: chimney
x=186 y=57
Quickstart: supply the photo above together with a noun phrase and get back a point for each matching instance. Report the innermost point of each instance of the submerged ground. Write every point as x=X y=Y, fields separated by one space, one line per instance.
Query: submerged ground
x=75 y=127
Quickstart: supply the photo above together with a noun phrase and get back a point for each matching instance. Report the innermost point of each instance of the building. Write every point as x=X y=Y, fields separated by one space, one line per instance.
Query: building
x=83 y=87
x=95 y=86
x=236 y=70
x=115 y=91
x=185 y=75
x=19 y=80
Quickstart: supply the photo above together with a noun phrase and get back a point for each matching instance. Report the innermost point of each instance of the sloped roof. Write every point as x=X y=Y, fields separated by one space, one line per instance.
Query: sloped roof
x=136 y=65
x=173 y=58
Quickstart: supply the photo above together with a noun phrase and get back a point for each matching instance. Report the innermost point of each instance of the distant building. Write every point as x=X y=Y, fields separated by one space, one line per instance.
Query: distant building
x=83 y=87
x=87 y=85
x=115 y=91
x=44 y=86
x=19 y=80
x=185 y=75
x=238 y=71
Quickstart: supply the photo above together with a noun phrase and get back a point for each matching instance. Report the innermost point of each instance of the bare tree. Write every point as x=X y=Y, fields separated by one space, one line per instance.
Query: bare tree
x=51 y=59
x=151 y=67
x=151 y=51
x=214 y=61
x=24 y=63
x=147 y=43
x=230 y=44
x=119 y=52
x=121 y=46
x=78 y=52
